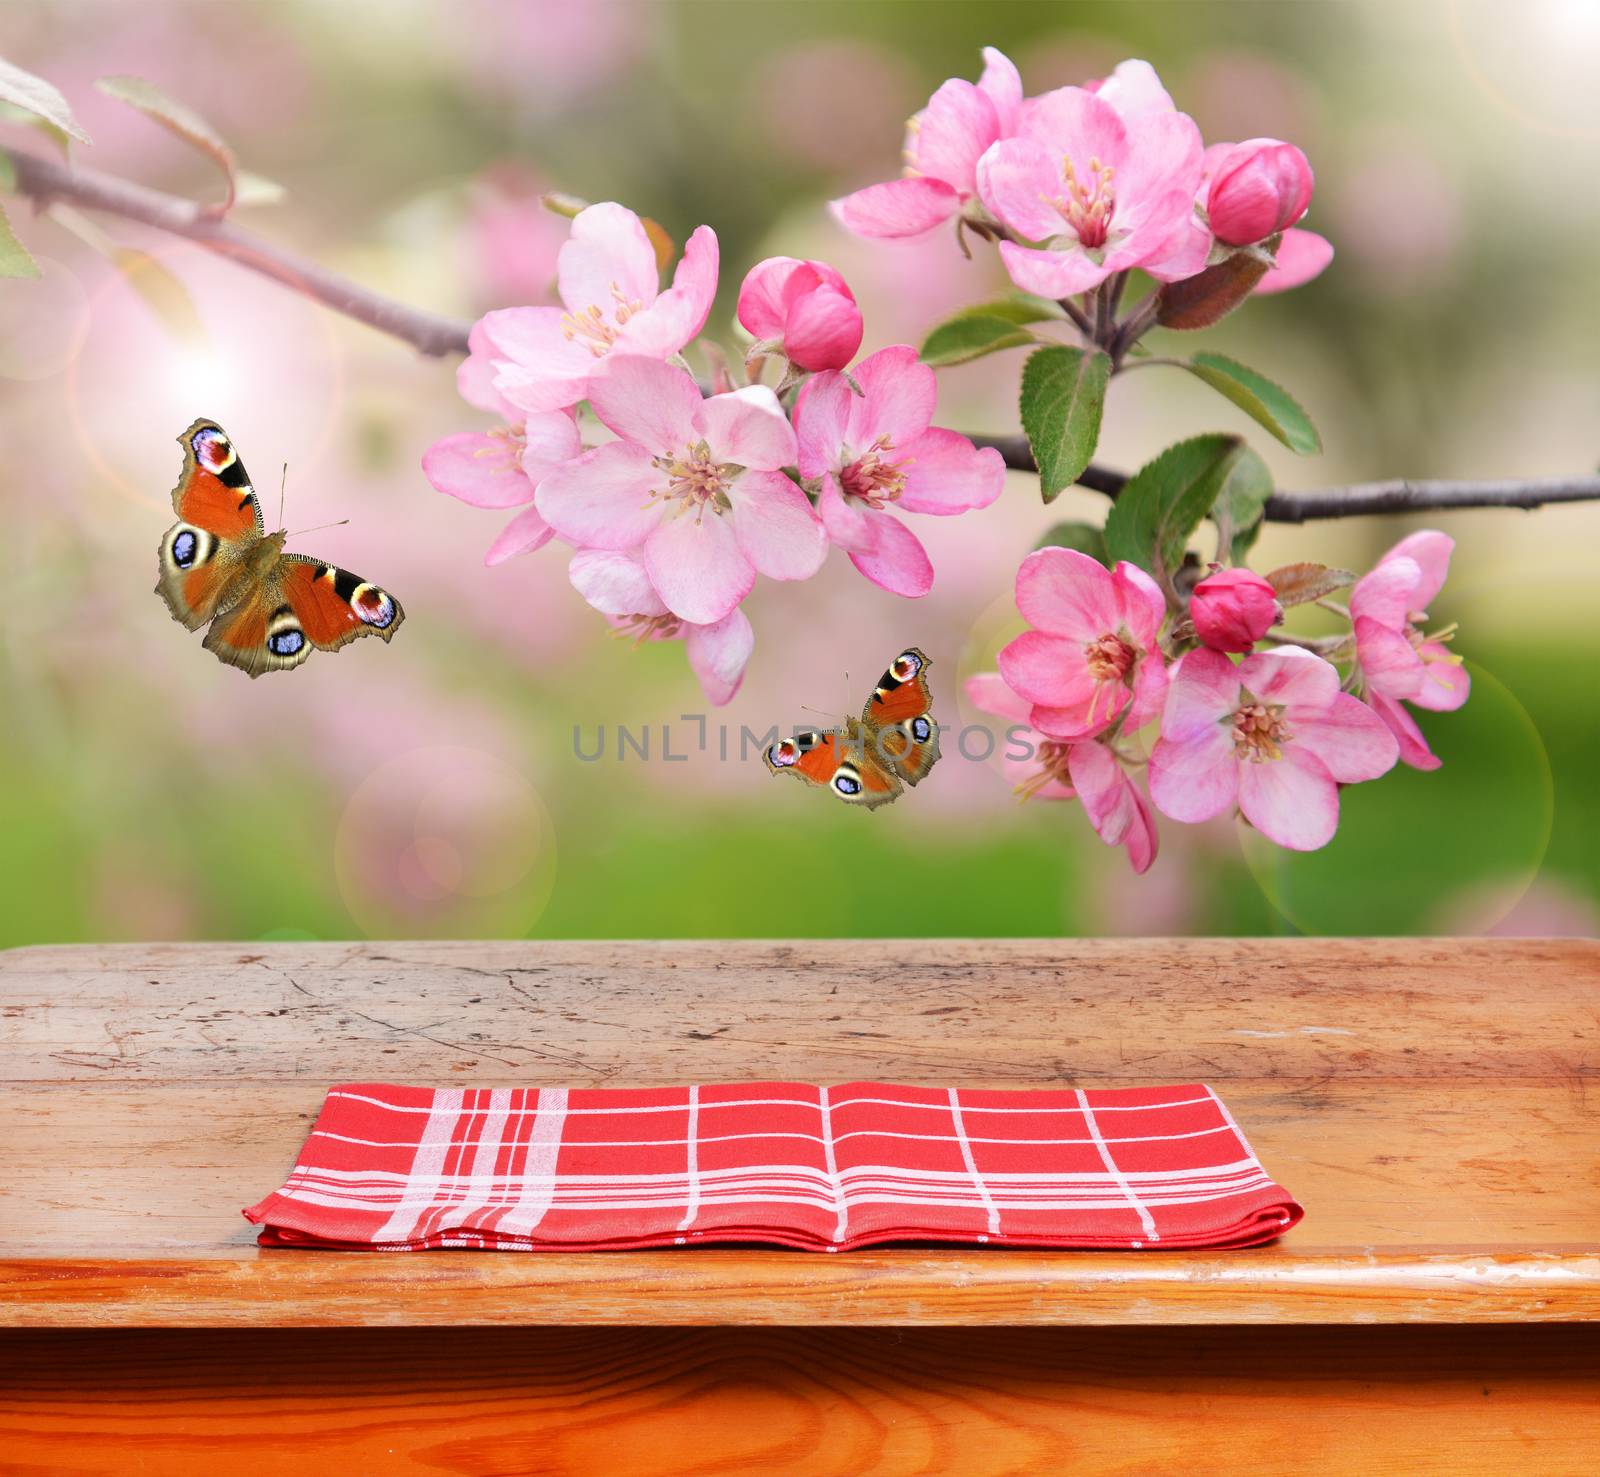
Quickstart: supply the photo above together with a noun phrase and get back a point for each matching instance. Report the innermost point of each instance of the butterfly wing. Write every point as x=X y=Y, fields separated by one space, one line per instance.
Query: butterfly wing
x=203 y=556
x=837 y=762
x=898 y=718
x=299 y=604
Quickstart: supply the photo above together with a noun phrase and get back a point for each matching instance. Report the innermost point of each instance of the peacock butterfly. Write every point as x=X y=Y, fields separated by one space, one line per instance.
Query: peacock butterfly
x=869 y=762
x=267 y=608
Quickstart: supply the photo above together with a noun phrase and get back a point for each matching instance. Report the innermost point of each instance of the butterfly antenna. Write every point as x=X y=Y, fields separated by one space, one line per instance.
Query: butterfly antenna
x=318 y=529
x=283 y=484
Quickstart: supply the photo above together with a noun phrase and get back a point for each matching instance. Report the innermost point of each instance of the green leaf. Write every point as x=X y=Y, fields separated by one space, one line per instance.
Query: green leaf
x=962 y=339
x=1084 y=537
x=1241 y=502
x=14 y=258
x=36 y=96
x=1166 y=499
x=1063 y=393
x=177 y=118
x=1260 y=399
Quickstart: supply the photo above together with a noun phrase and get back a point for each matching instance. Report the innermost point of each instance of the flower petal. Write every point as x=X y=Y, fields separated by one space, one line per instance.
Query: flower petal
x=896 y=208
x=538 y=367
x=548 y=440
x=767 y=292
x=647 y=402
x=1414 y=748
x=1446 y=684
x=1195 y=778
x=1151 y=681
x=776 y=528
x=821 y=419
x=475 y=377
x=1135 y=91
x=1431 y=552
x=897 y=562
x=1302 y=255
x=1056 y=274
x=958 y=124
x=697 y=567
x=1291 y=675
x=1387 y=595
x=1204 y=691
x=1001 y=83
x=897 y=399
x=522 y=535
x=1049 y=671
x=1017 y=180
x=1292 y=800
x=614 y=583
x=1141 y=602
x=1073 y=122
x=747 y=427
x=846 y=521
x=989 y=692
x=602 y=500
x=719 y=653
x=479 y=469
x=1068 y=594
x=1352 y=742
x=947 y=474
x=1389 y=662
x=681 y=311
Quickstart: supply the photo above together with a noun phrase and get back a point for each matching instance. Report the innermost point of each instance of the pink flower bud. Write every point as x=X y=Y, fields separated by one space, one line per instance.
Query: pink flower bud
x=1258 y=188
x=807 y=306
x=1233 y=609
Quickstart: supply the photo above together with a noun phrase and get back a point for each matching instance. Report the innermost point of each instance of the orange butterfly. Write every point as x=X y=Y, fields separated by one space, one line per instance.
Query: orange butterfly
x=267 y=608
x=871 y=760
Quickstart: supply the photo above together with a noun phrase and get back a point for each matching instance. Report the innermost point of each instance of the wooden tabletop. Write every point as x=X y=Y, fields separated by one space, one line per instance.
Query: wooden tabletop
x=1426 y=1100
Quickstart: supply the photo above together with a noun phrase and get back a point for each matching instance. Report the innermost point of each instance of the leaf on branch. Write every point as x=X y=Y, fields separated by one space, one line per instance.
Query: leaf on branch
x=180 y=119
x=971 y=336
x=1209 y=296
x=1063 y=394
x=15 y=260
x=1240 y=504
x=1165 y=501
x=1259 y=398
x=1300 y=584
x=1084 y=537
x=37 y=97
x=162 y=292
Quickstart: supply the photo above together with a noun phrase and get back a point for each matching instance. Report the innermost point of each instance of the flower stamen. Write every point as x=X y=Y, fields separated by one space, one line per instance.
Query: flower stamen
x=1259 y=733
x=873 y=478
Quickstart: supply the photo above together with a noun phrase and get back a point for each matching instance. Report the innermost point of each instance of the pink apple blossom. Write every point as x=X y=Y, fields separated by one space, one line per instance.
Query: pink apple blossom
x=805 y=309
x=1233 y=609
x=876 y=449
x=502 y=468
x=618 y=586
x=943 y=145
x=544 y=358
x=1056 y=769
x=1274 y=735
x=693 y=484
x=1099 y=191
x=1258 y=188
x=1388 y=608
x=1091 y=657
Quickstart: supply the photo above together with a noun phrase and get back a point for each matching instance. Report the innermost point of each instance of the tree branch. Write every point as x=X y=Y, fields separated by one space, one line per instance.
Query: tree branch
x=43 y=180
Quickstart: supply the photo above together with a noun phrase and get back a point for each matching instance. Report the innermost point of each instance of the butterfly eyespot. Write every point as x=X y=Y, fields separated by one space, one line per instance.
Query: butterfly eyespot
x=905 y=667
x=185 y=547
x=846 y=783
x=373 y=606
x=920 y=729
x=784 y=754
x=212 y=449
x=285 y=643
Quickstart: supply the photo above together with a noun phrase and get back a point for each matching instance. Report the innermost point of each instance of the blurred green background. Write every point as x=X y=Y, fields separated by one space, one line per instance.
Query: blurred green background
x=431 y=787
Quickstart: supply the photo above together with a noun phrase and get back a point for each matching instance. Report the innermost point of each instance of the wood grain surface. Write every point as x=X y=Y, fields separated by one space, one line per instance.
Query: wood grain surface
x=851 y=1402
x=1426 y=1100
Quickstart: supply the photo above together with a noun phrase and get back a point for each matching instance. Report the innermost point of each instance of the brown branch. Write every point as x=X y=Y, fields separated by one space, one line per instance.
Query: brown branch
x=43 y=180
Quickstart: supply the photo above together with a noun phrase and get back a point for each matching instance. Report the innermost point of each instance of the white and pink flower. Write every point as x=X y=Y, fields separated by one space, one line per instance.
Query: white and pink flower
x=943 y=145
x=693 y=484
x=1092 y=656
x=1099 y=187
x=1044 y=768
x=1273 y=735
x=805 y=310
x=544 y=358
x=877 y=450
x=1399 y=662
x=618 y=586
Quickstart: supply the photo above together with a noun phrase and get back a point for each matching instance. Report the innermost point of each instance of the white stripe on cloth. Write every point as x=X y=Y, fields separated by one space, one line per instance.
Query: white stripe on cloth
x=1112 y=1167
x=427 y=1166
x=490 y=1139
x=692 y=1161
x=833 y=1165
x=536 y=1184
x=972 y=1164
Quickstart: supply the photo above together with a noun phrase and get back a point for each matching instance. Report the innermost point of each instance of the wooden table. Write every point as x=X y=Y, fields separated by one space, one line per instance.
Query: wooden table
x=1425 y=1099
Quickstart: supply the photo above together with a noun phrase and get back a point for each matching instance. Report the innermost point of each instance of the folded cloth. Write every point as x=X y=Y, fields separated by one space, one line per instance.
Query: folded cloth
x=818 y=1168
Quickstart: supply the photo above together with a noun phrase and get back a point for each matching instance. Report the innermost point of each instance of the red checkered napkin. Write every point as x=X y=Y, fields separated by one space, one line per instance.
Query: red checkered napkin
x=819 y=1168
